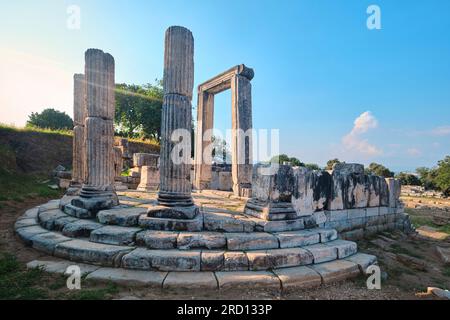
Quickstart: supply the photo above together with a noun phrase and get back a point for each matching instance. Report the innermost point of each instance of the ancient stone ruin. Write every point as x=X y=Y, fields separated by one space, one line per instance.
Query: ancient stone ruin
x=292 y=233
x=238 y=80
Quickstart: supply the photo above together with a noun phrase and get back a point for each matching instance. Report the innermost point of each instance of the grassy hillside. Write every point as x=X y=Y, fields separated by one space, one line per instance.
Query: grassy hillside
x=39 y=151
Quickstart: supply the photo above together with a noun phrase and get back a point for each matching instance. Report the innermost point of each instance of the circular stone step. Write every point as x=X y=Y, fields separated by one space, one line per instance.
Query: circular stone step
x=50 y=230
x=281 y=280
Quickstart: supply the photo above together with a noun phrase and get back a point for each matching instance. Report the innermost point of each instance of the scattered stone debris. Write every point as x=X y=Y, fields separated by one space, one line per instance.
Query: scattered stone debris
x=430 y=232
x=444 y=254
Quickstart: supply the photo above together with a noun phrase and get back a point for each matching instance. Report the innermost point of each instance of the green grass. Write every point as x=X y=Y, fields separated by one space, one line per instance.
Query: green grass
x=419 y=221
x=396 y=248
x=18 y=187
x=12 y=128
x=19 y=283
x=446 y=271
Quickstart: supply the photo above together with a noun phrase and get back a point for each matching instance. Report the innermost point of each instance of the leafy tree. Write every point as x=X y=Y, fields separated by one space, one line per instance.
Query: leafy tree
x=285 y=158
x=138 y=110
x=221 y=151
x=331 y=163
x=408 y=179
x=426 y=177
x=50 y=119
x=442 y=176
x=379 y=170
x=312 y=166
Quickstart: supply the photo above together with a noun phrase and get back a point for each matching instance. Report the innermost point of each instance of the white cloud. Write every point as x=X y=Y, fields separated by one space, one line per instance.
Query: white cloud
x=414 y=152
x=354 y=140
x=441 y=131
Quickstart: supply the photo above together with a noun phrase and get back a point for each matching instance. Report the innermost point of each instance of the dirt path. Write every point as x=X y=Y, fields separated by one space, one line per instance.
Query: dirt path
x=403 y=281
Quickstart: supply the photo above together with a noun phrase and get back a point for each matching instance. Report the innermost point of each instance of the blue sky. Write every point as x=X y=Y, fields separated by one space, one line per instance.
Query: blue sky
x=318 y=68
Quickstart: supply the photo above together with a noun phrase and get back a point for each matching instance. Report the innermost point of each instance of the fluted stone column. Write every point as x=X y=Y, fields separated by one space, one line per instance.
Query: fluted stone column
x=175 y=184
x=79 y=112
x=99 y=129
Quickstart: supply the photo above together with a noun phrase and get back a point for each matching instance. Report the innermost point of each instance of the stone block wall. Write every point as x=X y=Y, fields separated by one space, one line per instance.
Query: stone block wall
x=346 y=199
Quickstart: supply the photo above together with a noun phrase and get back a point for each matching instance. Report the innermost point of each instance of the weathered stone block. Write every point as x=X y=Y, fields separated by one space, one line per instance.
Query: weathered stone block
x=248 y=280
x=162 y=260
x=336 y=270
x=327 y=235
x=90 y=252
x=46 y=242
x=235 y=261
x=311 y=190
x=215 y=221
x=297 y=238
x=125 y=277
x=80 y=228
x=278 y=258
x=363 y=261
x=298 y=278
x=157 y=239
x=22 y=223
x=344 y=248
x=115 y=235
x=322 y=252
x=212 y=260
x=190 y=281
x=338 y=215
x=284 y=225
x=251 y=241
x=163 y=224
x=126 y=217
x=47 y=219
x=372 y=212
x=27 y=233
x=208 y=240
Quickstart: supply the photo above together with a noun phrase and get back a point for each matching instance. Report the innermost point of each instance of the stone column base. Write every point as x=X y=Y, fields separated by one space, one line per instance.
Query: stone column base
x=169 y=199
x=271 y=211
x=173 y=212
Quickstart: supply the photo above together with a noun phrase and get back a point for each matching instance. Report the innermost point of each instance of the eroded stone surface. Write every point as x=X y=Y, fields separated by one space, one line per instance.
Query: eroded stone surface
x=363 y=261
x=115 y=235
x=129 y=277
x=162 y=224
x=212 y=260
x=336 y=270
x=248 y=280
x=278 y=258
x=344 y=248
x=297 y=238
x=251 y=241
x=208 y=240
x=125 y=217
x=47 y=242
x=29 y=232
x=235 y=261
x=322 y=252
x=298 y=278
x=190 y=281
x=163 y=260
x=90 y=252
x=80 y=228
x=157 y=239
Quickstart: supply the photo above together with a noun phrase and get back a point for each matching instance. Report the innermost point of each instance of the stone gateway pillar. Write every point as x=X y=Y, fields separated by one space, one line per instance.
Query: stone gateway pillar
x=174 y=197
x=98 y=192
x=79 y=116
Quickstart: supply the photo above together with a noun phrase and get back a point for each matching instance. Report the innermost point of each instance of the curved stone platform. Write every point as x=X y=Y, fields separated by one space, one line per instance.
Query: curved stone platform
x=227 y=247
